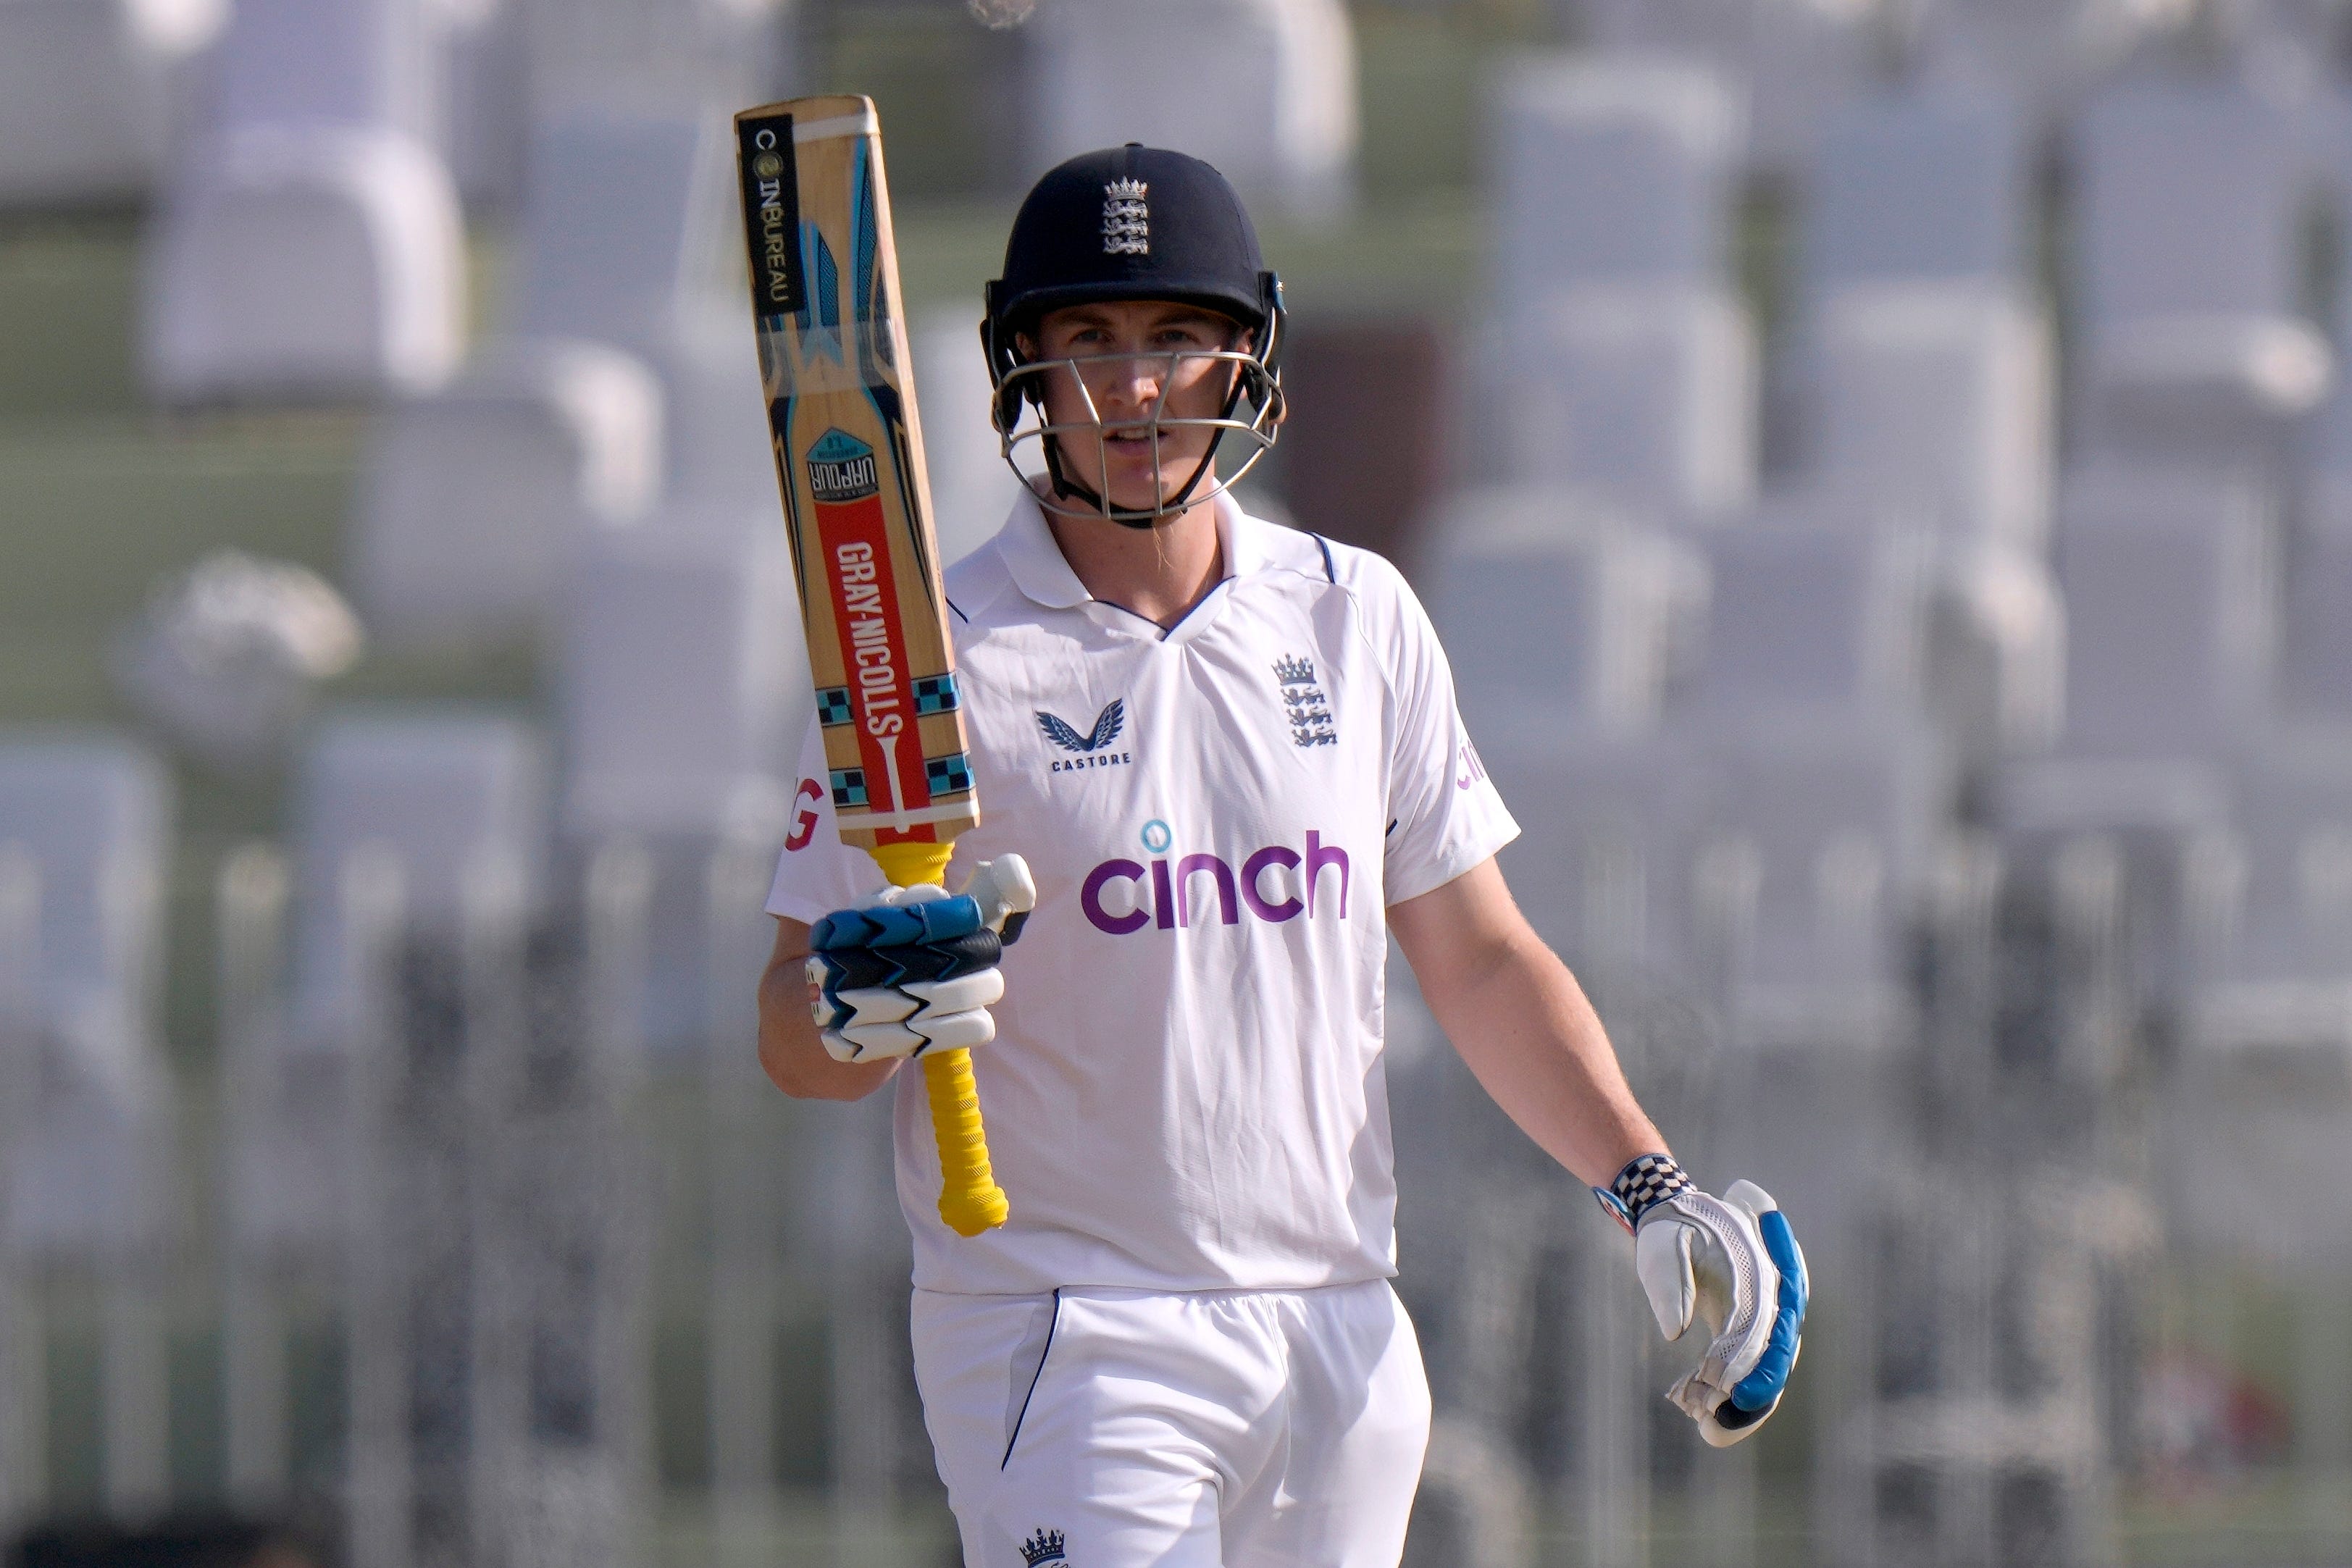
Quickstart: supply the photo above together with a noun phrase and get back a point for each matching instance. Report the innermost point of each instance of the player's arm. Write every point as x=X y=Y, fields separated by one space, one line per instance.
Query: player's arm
x=790 y=1047
x=1522 y=1024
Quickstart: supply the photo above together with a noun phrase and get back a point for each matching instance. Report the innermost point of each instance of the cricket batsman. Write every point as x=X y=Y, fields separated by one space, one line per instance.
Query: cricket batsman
x=1230 y=754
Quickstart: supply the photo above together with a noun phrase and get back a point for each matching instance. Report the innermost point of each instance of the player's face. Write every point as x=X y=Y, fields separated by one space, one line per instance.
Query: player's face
x=1139 y=364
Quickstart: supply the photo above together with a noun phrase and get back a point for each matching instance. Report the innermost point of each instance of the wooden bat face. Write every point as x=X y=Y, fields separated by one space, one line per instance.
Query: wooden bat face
x=849 y=461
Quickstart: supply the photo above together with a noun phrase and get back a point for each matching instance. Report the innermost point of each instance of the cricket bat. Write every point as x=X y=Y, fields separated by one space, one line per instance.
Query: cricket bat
x=858 y=503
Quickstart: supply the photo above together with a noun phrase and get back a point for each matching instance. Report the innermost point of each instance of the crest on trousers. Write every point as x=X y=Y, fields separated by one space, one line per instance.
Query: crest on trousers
x=1304 y=704
x=1126 y=218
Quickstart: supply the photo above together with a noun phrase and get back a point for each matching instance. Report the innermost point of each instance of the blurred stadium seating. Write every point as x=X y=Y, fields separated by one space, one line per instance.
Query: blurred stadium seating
x=1884 y=475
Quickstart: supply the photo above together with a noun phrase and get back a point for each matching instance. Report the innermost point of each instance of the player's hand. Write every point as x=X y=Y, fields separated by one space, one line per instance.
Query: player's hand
x=1731 y=1263
x=914 y=968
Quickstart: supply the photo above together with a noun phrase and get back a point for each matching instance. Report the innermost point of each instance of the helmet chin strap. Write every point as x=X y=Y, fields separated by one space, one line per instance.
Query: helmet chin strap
x=1069 y=489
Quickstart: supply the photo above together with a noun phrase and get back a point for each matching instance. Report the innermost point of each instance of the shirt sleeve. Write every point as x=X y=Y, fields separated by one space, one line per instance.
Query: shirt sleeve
x=1445 y=815
x=817 y=873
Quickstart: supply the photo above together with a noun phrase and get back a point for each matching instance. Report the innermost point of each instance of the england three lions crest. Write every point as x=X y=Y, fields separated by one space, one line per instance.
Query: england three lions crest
x=1303 y=703
x=1126 y=218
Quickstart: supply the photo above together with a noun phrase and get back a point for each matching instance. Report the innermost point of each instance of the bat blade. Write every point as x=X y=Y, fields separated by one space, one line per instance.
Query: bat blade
x=849 y=461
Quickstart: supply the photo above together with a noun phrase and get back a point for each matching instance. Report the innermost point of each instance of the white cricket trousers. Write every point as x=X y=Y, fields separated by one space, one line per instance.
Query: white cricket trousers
x=1217 y=1429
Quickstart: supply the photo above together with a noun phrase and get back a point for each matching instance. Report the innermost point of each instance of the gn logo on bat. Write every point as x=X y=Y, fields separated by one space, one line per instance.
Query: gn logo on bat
x=841 y=468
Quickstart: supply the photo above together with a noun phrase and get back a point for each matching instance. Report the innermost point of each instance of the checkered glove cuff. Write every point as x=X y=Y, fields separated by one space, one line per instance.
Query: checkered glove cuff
x=1643 y=1183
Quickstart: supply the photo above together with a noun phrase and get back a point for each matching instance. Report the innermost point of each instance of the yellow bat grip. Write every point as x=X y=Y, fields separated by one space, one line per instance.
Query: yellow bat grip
x=970 y=1199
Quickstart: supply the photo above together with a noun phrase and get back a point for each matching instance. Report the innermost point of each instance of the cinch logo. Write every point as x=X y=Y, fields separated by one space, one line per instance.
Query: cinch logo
x=841 y=468
x=1472 y=769
x=1276 y=883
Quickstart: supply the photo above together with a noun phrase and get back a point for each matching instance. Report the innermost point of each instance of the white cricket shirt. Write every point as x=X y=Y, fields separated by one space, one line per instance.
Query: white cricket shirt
x=1185 y=1092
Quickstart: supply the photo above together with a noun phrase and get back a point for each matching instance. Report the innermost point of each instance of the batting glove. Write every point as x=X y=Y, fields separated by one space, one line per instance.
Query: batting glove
x=1730 y=1261
x=914 y=968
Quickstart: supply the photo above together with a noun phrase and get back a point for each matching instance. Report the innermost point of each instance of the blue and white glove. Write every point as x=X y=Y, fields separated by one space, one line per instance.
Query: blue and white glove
x=914 y=968
x=1729 y=1262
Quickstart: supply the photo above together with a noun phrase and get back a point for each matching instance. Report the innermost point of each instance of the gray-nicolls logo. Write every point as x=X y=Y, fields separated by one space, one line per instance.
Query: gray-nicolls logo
x=1304 y=704
x=1126 y=218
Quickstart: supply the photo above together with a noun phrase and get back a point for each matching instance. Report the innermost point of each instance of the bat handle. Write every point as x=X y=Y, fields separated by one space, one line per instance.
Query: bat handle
x=970 y=1199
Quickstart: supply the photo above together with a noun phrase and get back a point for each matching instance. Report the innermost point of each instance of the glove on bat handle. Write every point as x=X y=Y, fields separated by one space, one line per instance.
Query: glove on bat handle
x=970 y=1199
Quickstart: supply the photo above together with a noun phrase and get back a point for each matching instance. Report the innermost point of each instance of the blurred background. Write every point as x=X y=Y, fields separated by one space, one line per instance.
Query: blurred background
x=1881 y=469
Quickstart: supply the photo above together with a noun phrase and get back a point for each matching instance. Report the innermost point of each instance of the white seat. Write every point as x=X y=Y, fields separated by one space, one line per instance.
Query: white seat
x=485 y=124
x=684 y=678
x=1996 y=672
x=623 y=375
x=1644 y=395
x=368 y=63
x=1919 y=185
x=2256 y=1168
x=647 y=259
x=1608 y=171
x=1815 y=866
x=1832 y=788
x=2259 y=1140
x=2271 y=916
x=1807 y=616
x=91 y=820
x=1802 y=891
x=306 y=263
x=2045 y=55
x=447 y=797
x=88 y=92
x=2169 y=613
x=94 y=814
x=1264 y=90
x=1565 y=626
x=2315 y=685
x=1548 y=608
x=1936 y=400
x=2188 y=264
x=972 y=487
x=2170 y=624
x=629 y=257
x=472 y=498
x=1792 y=60
x=1980 y=627
x=1609 y=821
x=650 y=57
x=312 y=249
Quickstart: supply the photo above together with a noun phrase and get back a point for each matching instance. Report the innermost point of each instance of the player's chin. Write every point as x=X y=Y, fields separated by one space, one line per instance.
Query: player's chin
x=1136 y=483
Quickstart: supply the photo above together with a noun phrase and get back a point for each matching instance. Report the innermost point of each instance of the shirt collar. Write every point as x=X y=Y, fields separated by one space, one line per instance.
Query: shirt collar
x=1040 y=570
